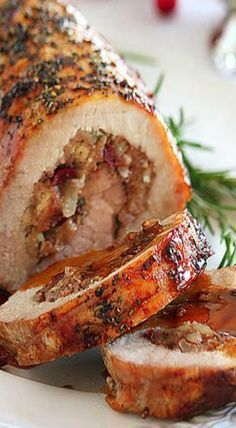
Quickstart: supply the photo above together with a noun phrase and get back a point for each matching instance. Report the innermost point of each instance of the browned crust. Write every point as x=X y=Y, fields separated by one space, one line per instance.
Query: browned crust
x=175 y=393
x=142 y=288
x=45 y=70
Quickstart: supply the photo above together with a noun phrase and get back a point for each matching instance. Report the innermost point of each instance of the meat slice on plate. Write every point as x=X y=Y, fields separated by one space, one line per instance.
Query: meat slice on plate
x=84 y=154
x=211 y=301
x=103 y=294
x=182 y=361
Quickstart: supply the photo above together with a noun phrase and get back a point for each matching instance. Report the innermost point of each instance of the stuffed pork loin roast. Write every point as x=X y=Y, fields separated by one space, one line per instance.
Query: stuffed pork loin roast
x=83 y=152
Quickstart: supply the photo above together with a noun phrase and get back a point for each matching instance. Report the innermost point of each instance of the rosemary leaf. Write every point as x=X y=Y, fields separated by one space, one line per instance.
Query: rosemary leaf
x=194 y=145
x=139 y=58
x=158 y=85
x=228 y=236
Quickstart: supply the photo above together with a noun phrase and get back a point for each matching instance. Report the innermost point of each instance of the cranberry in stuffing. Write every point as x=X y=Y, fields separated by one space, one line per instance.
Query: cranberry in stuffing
x=109 y=155
x=63 y=173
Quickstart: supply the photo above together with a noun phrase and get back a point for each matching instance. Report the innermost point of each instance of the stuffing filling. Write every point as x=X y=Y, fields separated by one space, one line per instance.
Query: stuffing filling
x=98 y=188
x=189 y=337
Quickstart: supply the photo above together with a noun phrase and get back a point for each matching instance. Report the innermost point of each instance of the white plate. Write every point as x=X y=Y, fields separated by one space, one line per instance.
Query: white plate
x=33 y=403
x=34 y=398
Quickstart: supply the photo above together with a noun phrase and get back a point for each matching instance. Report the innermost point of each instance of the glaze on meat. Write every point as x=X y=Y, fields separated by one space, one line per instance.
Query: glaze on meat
x=99 y=296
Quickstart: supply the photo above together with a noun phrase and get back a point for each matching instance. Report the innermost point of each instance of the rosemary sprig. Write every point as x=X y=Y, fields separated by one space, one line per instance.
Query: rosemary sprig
x=228 y=236
x=211 y=190
x=158 y=85
x=139 y=58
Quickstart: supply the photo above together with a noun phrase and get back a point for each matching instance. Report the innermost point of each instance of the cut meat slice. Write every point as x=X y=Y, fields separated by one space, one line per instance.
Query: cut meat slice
x=183 y=361
x=153 y=375
x=211 y=301
x=72 y=110
x=100 y=296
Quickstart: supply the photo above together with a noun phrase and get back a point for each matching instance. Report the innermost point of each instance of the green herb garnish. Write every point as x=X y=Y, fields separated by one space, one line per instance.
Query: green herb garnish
x=214 y=192
x=139 y=58
x=158 y=85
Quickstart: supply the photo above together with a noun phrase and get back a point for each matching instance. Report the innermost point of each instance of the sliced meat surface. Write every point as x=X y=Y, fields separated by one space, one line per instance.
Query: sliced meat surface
x=105 y=199
x=182 y=361
x=83 y=302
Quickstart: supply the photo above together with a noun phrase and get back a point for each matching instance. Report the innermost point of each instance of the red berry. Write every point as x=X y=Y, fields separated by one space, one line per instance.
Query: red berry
x=63 y=173
x=165 y=6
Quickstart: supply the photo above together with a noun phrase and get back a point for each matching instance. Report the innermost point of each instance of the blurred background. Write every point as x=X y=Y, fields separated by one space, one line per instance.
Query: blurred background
x=180 y=48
